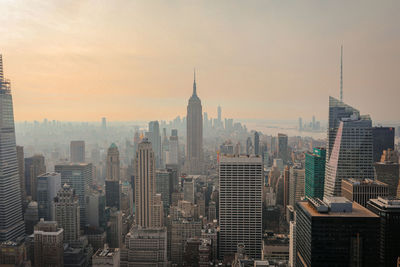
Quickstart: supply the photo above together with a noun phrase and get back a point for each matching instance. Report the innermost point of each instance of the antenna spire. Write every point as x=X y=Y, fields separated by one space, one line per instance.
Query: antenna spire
x=341 y=73
x=194 y=82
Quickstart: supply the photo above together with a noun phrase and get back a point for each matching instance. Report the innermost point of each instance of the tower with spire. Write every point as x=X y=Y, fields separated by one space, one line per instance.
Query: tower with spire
x=194 y=134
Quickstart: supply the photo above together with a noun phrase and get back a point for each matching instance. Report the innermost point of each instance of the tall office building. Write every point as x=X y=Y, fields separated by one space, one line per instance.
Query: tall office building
x=219 y=114
x=21 y=172
x=11 y=222
x=155 y=140
x=66 y=212
x=172 y=155
x=315 y=173
x=296 y=184
x=351 y=155
x=337 y=111
x=362 y=190
x=113 y=186
x=335 y=232
x=387 y=171
x=240 y=205
x=34 y=166
x=48 y=244
x=388 y=210
x=188 y=189
x=194 y=134
x=79 y=176
x=77 y=151
x=114 y=229
x=31 y=217
x=257 y=143
x=283 y=150
x=163 y=186
x=383 y=138
x=48 y=185
x=145 y=187
x=104 y=123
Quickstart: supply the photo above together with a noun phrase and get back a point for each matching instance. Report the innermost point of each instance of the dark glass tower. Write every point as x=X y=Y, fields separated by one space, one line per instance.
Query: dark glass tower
x=315 y=173
x=383 y=138
x=11 y=223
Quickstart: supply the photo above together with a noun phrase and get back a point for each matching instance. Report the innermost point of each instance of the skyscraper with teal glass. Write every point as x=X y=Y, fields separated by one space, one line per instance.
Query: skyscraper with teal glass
x=315 y=173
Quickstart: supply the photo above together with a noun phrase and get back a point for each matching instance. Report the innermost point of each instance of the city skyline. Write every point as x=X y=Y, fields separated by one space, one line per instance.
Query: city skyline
x=120 y=67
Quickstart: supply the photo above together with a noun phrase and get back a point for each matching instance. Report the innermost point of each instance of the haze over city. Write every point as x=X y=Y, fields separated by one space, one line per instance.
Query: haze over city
x=133 y=60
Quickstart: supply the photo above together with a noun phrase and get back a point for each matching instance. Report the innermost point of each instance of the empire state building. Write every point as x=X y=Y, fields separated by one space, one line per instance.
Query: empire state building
x=194 y=134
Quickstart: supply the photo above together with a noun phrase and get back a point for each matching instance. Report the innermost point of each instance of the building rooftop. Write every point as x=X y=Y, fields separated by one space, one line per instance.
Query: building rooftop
x=364 y=182
x=106 y=252
x=356 y=212
x=387 y=202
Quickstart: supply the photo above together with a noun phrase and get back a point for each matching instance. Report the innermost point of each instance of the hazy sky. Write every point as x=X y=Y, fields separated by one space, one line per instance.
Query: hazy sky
x=131 y=60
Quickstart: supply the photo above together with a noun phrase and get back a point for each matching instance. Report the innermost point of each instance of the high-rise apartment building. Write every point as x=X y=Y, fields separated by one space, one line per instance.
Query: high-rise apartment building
x=67 y=214
x=388 y=210
x=77 y=151
x=48 y=185
x=335 y=232
x=315 y=173
x=362 y=190
x=383 y=138
x=351 y=156
x=113 y=185
x=48 y=244
x=34 y=166
x=240 y=204
x=283 y=149
x=79 y=176
x=11 y=222
x=194 y=134
x=145 y=186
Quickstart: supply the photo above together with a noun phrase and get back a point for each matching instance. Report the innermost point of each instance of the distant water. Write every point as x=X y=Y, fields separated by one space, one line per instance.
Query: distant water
x=290 y=130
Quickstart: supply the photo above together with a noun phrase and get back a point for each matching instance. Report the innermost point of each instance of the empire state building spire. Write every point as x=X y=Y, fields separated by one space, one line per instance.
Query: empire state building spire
x=194 y=83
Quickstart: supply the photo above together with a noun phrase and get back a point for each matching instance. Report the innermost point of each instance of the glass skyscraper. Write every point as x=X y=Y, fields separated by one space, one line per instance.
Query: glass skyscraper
x=315 y=173
x=11 y=223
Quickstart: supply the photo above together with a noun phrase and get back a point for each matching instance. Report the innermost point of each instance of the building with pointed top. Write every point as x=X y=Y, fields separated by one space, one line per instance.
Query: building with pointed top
x=11 y=221
x=194 y=134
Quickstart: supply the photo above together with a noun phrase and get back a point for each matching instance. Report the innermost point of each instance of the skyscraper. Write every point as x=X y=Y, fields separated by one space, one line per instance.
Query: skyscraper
x=351 y=155
x=21 y=172
x=219 y=114
x=48 y=185
x=335 y=232
x=11 y=222
x=240 y=205
x=362 y=190
x=34 y=166
x=257 y=143
x=194 y=134
x=67 y=215
x=315 y=173
x=145 y=187
x=155 y=140
x=77 y=151
x=113 y=187
x=388 y=210
x=79 y=177
x=383 y=138
x=337 y=111
x=283 y=152
x=387 y=171
x=296 y=184
x=48 y=244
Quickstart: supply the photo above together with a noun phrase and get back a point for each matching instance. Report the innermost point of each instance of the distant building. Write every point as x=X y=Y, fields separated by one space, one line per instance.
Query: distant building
x=237 y=174
x=77 y=151
x=383 y=138
x=48 y=244
x=362 y=190
x=388 y=210
x=106 y=257
x=188 y=189
x=21 y=172
x=194 y=134
x=163 y=186
x=48 y=185
x=296 y=184
x=257 y=143
x=283 y=149
x=113 y=186
x=67 y=215
x=348 y=230
x=315 y=173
